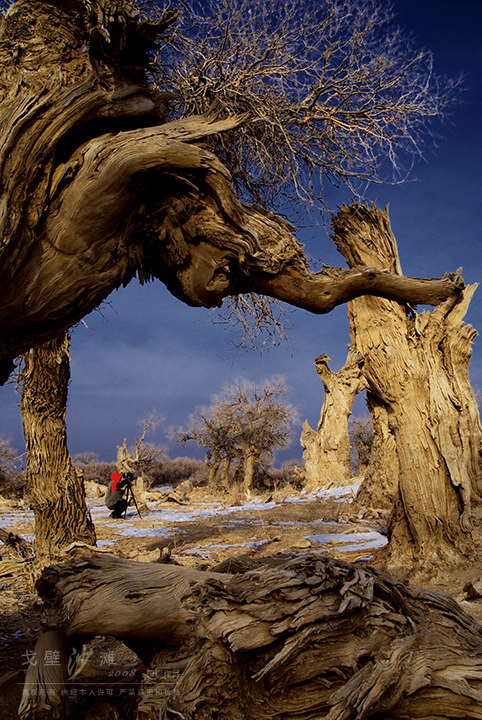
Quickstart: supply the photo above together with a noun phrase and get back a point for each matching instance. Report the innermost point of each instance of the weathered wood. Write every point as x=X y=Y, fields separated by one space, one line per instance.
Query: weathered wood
x=22 y=547
x=309 y=638
x=416 y=366
x=327 y=452
x=98 y=186
x=55 y=486
x=47 y=675
x=146 y=597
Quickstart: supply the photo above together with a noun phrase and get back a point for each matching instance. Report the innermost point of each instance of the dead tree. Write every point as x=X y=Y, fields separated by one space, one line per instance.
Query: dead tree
x=55 y=486
x=416 y=368
x=98 y=186
x=142 y=459
x=327 y=452
x=309 y=638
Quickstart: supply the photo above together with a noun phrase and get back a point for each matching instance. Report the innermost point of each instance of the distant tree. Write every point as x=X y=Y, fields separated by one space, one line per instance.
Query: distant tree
x=12 y=477
x=87 y=458
x=245 y=423
x=210 y=429
x=141 y=460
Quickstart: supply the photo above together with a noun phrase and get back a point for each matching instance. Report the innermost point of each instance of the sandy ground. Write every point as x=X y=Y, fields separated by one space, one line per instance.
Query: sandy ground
x=204 y=533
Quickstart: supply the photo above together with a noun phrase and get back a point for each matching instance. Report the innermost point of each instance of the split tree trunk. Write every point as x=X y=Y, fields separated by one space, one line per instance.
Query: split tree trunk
x=309 y=638
x=380 y=485
x=416 y=368
x=127 y=463
x=327 y=452
x=55 y=487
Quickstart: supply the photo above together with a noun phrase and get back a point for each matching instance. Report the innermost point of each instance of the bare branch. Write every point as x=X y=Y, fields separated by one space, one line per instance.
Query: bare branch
x=334 y=89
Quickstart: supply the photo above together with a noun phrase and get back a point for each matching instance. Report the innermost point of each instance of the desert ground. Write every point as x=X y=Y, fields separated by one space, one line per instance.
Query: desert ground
x=207 y=532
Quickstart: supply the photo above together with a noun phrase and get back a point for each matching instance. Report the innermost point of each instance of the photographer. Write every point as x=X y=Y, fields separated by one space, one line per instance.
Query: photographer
x=114 y=497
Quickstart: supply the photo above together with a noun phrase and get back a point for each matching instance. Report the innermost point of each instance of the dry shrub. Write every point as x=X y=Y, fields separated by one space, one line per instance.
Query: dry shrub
x=99 y=472
x=173 y=472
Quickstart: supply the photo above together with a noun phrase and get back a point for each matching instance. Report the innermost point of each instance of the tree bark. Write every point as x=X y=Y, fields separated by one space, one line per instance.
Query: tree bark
x=213 y=463
x=327 y=452
x=309 y=638
x=380 y=484
x=416 y=367
x=55 y=486
x=226 y=479
x=99 y=187
x=249 y=459
x=127 y=463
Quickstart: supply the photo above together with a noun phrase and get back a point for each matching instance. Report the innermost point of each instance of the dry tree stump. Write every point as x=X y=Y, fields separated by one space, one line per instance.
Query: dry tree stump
x=307 y=638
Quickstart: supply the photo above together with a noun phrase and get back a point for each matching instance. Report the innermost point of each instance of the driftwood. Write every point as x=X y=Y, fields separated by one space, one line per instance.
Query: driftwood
x=308 y=638
x=99 y=187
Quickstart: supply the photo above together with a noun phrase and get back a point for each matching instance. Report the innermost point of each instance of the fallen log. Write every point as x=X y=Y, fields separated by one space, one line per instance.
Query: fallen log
x=145 y=597
x=308 y=638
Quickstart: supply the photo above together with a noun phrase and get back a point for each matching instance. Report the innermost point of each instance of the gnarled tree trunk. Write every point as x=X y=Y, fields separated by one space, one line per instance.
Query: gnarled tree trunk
x=99 y=187
x=55 y=486
x=307 y=639
x=327 y=452
x=416 y=368
x=380 y=486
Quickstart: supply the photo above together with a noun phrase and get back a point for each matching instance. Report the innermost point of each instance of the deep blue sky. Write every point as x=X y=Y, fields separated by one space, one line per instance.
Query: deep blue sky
x=145 y=351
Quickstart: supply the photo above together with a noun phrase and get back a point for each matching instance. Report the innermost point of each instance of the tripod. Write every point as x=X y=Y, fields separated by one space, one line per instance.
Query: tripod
x=131 y=491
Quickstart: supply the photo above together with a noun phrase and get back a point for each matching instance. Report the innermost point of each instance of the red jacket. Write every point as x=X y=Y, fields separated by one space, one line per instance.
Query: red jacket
x=116 y=477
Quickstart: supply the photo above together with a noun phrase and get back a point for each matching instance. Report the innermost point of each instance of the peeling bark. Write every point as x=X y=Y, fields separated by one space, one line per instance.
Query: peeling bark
x=416 y=368
x=309 y=638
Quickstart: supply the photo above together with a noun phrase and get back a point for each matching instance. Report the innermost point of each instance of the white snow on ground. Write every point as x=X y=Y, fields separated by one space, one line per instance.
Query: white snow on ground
x=9 y=518
x=345 y=542
x=161 y=521
x=343 y=493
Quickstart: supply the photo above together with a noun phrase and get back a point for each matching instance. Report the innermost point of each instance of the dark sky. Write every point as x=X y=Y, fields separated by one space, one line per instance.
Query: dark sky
x=146 y=352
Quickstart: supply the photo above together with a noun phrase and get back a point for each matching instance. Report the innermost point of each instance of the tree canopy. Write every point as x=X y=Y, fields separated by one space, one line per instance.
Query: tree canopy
x=332 y=90
x=245 y=423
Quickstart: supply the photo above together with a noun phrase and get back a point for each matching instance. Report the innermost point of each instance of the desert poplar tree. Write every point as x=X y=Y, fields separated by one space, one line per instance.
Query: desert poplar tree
x=245 y=423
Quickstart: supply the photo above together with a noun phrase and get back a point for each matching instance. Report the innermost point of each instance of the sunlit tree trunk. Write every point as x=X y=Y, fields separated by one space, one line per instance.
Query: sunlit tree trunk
x=226 y=470
x=380 y=485
x=327 y=452
x=55 y=486
x=416 y=368
x=126 y=462
x=250 y=457
x=213 y=463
